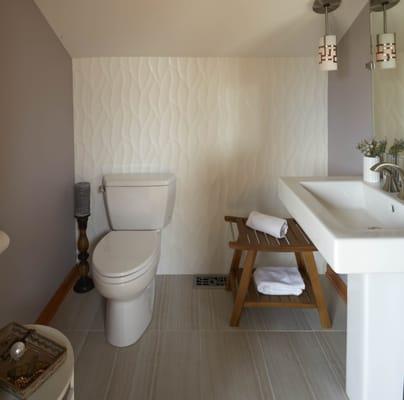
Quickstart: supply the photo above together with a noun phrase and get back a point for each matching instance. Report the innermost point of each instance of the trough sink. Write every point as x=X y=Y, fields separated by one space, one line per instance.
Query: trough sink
x=356 y=226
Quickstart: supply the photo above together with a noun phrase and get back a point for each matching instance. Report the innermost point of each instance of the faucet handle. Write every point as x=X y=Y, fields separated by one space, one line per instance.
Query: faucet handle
x=391 y=184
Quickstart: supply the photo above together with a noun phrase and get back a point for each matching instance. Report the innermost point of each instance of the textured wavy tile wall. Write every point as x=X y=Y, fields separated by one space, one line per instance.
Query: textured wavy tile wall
x=227 y=127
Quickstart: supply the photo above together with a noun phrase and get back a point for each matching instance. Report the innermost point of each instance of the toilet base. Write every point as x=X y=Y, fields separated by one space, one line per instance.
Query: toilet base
x=125 y=321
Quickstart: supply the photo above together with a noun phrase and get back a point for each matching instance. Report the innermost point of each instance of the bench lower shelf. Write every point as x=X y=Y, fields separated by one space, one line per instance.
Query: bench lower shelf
x=255 y=299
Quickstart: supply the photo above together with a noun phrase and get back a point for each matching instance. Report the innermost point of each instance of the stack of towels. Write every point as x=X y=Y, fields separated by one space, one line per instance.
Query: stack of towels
x=279 y=281
x=275 y=280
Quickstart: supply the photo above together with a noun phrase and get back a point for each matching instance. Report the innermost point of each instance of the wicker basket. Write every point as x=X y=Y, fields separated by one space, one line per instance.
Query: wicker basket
x=40 y=360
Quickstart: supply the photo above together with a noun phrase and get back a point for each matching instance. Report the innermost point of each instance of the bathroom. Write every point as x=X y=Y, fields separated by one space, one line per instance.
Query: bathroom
x=222 y=106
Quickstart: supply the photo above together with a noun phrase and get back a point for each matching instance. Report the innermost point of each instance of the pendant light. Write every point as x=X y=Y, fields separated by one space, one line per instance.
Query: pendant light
x=386 y=52
x=327 y=49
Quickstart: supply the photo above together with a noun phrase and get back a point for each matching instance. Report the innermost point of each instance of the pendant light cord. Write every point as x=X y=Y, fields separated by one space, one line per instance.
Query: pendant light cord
x=384 y=18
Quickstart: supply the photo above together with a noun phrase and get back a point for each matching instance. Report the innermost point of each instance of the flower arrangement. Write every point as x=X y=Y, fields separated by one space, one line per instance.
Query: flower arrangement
x=372 y=148
x=397 y=147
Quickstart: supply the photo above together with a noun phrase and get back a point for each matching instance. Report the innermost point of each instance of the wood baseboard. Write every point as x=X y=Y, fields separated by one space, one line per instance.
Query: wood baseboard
x=338 y=283
x=54 y=303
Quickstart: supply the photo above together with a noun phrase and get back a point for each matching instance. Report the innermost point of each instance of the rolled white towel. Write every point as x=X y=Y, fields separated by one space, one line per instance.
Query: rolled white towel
x=274 y=226
x=286 y=292
x=279 y=281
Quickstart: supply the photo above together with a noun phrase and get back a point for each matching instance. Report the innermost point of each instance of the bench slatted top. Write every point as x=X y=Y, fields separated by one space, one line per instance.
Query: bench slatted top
x=250 y=239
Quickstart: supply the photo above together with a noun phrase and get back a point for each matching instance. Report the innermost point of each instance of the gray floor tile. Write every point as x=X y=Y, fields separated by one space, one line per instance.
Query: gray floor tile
x=322 y=379
x=260 y=366
x=177 y=366
x=312 y=319
x=285 y=373
x=77 y=340
x=276 y=319
x=338 y=320
x=158 y=302
x=132 y=377
x=98 y=321
x=334 y=347
x=228 y=368
x=214 y=310
x=206 y=311
x=179 y=304
x=77 y=312
x=190 y=351
x=94 y=368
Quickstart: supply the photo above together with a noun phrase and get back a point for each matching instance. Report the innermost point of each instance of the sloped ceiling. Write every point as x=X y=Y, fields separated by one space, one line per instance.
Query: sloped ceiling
x=95 y=28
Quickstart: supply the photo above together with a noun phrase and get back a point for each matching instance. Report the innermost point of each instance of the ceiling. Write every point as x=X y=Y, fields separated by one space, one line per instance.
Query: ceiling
x=96 y=28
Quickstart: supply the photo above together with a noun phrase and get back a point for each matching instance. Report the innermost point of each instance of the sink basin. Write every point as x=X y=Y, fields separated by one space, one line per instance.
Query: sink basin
x=357 y=227
x=4 y=241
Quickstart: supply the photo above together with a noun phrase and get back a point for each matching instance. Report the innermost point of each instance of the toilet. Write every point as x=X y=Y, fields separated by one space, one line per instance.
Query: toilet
x=125 y=260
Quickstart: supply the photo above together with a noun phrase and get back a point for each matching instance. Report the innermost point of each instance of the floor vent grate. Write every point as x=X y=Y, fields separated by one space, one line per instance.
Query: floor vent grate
x=210 y=281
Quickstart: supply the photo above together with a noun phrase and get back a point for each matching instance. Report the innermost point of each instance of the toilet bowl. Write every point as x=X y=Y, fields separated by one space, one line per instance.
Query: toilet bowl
x=125 y=261
x=124 y=269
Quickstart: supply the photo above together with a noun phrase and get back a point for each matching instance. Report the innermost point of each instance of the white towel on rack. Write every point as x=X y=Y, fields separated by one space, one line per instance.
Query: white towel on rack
x=274 y=226
x=279 y=281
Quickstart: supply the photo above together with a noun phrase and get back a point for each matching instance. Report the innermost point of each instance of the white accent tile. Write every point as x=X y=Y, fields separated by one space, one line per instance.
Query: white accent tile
x=227 y=127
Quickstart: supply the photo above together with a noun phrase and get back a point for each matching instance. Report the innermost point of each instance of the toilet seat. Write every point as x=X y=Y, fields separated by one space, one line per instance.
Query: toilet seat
x=122 y=256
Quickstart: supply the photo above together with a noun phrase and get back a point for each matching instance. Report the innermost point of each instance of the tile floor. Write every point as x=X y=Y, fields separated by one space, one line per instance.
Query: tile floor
x=189 y=351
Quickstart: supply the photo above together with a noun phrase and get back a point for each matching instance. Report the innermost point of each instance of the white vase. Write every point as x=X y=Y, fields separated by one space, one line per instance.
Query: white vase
x=368 y=175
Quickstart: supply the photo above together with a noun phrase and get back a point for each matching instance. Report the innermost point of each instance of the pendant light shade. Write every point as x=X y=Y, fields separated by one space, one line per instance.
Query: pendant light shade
x=327 y=53
x=327 y=49
x=386 y=56
x=386 y=48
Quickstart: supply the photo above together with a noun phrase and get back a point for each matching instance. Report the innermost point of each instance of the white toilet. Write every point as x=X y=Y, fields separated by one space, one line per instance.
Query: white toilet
x=125 y=260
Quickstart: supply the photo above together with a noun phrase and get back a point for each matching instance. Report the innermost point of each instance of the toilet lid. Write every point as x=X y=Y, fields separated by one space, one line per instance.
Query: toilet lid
x=121 y=253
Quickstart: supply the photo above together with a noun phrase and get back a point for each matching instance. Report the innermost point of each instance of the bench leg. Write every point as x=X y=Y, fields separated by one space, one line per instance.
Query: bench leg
x=233 y=270
x=299 y=261
x=243 y=287
x=312 y=272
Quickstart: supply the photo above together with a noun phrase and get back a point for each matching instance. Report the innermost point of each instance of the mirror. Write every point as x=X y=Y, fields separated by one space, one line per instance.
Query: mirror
x=388 y=84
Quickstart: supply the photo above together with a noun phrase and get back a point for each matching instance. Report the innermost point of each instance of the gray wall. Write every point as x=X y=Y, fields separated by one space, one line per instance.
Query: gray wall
x=36 y=161
x=350 y=100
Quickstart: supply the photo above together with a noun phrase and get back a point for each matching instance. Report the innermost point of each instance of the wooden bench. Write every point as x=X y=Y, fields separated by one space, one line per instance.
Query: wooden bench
x=240 y=280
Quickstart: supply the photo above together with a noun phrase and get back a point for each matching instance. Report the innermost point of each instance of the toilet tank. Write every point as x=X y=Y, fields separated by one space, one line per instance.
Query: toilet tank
x=139 y=201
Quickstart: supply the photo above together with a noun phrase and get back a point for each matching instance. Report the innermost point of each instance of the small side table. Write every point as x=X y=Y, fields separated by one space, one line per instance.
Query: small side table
x=240 y=280
x=59 y=386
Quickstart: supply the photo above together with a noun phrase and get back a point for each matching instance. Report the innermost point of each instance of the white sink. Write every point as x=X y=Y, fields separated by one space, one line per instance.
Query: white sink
x=356 y=226
x=359 y=229
x=4 y=241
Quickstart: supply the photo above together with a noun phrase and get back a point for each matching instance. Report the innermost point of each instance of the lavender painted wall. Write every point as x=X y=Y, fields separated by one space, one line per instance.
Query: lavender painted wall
x=350 y=100
x=36 y=161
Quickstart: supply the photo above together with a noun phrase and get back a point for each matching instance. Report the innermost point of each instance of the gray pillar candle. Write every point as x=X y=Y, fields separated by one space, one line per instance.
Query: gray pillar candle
x=82 y=199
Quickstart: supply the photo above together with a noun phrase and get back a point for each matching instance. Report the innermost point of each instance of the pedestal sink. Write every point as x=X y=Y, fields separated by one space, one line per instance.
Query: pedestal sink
x=359 y=230
x=4 y=241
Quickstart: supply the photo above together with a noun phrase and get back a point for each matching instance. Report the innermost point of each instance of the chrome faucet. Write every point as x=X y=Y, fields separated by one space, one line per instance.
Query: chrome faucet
x=391 y=185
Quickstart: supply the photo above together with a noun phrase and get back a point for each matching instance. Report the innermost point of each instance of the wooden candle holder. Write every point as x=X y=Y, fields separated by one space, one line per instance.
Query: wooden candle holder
x=84 y=283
